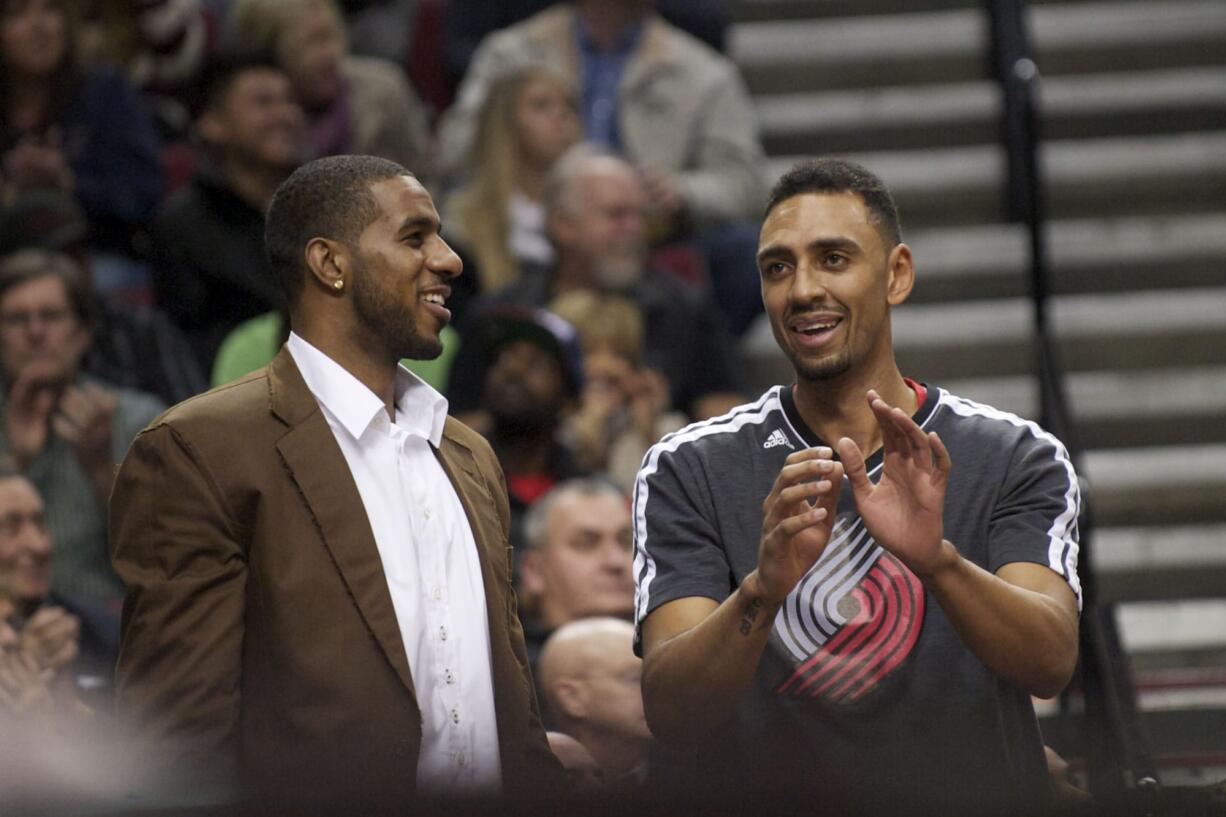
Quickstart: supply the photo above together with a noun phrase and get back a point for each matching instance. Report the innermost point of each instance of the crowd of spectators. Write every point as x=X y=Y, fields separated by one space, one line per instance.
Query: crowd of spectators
x=599 y=172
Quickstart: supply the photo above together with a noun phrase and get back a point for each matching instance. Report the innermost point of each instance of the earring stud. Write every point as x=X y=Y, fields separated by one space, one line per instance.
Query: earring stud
x=338 y=284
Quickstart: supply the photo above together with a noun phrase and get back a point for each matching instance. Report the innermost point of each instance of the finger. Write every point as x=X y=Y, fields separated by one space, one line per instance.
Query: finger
x=796 y=494
x=806 y=454
x=853 y=466
x=796 y=523
x=940 y=455
x=65 y=429
x=917 y=440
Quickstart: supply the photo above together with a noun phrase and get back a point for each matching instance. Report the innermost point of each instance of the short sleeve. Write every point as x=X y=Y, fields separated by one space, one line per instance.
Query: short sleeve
x=1035 y=518
x=677 y=552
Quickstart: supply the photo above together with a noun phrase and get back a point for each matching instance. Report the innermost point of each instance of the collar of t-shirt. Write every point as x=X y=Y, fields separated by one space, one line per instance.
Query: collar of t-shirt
x=420 y=410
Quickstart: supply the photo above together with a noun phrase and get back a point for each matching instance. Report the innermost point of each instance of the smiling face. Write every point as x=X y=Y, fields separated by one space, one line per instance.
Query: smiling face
x=25 y=545
x=401 y=267
x=828 y=281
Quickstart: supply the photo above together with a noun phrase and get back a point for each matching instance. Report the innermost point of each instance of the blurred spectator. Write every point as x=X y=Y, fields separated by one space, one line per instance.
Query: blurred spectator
x=526 y=366
x=210 y=270
x=577 y=560
x=592 y=680
x=133 y=345
x=675 y=108
x=624 y=407
x=64 y=430
x=353 y=104
x=596 y=220
x=496 y=219
x=64 y=128
x=380 y=28
x=468 y=22
x=76 y=643
x=163 y=44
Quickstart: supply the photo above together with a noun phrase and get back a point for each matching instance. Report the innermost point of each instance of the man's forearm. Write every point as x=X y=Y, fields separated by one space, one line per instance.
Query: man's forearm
x=695 y=679
x=1025 y=636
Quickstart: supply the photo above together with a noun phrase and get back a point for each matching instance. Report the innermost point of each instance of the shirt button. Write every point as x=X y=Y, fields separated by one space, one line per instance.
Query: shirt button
x=427 y=513
x=455 y=715
x=436 y=593
x=442 y=633
x=449 y=676
x=461 y=759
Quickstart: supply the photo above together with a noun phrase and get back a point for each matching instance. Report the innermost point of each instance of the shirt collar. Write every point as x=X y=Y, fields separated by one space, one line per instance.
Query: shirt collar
x=627 y=39
x=420 y=409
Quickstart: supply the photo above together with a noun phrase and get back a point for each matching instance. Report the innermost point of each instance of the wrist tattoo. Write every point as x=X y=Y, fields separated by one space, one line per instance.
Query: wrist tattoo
x=751 y=614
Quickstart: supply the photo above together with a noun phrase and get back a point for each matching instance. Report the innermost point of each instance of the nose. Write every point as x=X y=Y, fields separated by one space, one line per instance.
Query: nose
x=445 y=261
x=808 y=284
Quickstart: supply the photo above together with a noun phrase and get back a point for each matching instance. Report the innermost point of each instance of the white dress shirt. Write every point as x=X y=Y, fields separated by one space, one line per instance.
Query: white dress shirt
x=430 y=560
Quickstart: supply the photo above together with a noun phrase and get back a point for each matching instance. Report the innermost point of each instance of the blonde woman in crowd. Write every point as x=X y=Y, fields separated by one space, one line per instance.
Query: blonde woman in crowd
x=528 y=122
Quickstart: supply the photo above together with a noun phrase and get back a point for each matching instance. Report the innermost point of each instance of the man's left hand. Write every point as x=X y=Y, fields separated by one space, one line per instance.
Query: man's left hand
x=903 y=511
x=84 y=421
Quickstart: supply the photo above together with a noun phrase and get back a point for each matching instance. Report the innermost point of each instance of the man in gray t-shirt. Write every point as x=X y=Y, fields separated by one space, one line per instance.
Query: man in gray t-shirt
x=860 y=620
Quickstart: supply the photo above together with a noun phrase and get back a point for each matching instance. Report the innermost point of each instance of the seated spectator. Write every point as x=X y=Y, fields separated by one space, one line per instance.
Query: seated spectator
x=527 y=369
x=82 y=132
x=496 y=219
x=623 y=409
x=674 y=107
x=72 y=640
x=592 y=680
x=135 y=346
x=380 y=28
x=210 y=270
x=163 y=45
x=596 y=220
x=360 y=105
x=64 y=430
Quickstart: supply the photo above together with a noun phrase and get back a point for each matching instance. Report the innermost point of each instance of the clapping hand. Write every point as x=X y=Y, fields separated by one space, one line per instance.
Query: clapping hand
x=903 y=511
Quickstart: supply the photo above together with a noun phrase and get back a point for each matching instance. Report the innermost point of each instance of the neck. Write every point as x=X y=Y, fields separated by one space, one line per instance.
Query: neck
x=616 y=755
x=531 y=181
x=606 y=21
x=254 y=183
x=838 y=407
x=523 y=451
x=373 y=368
x=569 y=272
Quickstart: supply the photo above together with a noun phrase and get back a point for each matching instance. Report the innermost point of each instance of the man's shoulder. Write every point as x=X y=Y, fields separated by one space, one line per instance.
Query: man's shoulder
x=227 y=410
x=726 y=438
x=544 y=35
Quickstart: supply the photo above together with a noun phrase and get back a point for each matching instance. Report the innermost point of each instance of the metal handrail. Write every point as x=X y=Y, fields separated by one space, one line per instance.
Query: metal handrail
x=1117 y=752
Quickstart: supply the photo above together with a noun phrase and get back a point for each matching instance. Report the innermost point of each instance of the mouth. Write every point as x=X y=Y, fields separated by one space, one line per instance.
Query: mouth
x=435 y=300
x=814 y=331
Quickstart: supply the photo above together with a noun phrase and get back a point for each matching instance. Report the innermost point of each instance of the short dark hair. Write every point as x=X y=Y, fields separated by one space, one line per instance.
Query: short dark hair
x=841 y=176
x=326 y=198
x=32 y=264
x=220 y=74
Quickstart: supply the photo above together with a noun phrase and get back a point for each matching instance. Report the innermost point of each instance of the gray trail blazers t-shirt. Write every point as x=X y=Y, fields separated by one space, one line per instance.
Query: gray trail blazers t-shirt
x=865 y=690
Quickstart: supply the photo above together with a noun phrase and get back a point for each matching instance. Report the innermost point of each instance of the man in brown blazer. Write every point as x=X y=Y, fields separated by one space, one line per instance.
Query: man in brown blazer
x=270 y=555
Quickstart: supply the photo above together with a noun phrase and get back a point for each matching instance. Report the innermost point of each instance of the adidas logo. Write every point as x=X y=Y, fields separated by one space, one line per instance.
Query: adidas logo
x=777 y=437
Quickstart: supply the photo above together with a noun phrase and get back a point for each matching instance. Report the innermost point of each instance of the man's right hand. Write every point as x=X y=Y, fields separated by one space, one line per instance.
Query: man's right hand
x=32 y=400
x=797 y=517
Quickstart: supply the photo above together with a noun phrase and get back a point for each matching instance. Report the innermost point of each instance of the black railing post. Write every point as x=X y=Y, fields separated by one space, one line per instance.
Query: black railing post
x=1117 y=755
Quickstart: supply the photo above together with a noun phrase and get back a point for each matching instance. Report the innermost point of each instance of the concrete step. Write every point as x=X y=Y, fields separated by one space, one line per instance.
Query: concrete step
x=1148 y=407
x=790 y=55
x=1174 y=174
x=1086 y=255
x=1145 y=563
x=768 y=10
x=1166 y=485
x=1073 y=107
x=1125 y=332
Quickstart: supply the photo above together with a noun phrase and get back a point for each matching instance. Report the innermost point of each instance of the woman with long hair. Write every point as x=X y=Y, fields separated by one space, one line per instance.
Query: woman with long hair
x=80 y=132
x=529 y=120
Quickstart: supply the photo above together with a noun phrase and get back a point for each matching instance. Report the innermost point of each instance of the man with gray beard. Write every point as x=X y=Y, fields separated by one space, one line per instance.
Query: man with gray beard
x=596 y=218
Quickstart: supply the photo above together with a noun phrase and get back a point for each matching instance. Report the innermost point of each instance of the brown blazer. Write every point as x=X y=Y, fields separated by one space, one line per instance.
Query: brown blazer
x=260 y=646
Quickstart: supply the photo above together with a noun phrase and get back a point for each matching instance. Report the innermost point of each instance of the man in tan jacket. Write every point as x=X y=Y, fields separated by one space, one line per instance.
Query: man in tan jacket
x=316 y=555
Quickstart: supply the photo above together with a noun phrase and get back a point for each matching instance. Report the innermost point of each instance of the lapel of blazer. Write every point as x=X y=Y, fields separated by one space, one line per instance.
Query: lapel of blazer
x=318 y=467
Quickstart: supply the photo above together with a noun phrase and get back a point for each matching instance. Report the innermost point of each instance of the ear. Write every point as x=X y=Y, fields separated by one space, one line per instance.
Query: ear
x=570 y=698
x=531 y=579
x=901 y=271
x=328 y=262
x=211 y=129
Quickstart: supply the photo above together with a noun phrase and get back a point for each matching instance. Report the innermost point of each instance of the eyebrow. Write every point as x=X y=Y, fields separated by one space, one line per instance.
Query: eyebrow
x=818 y=245
x=414 y=222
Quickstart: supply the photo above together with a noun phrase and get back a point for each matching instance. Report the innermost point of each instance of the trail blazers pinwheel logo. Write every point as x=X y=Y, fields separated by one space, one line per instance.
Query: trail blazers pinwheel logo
x=852 y=620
